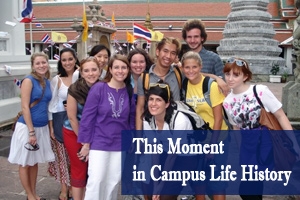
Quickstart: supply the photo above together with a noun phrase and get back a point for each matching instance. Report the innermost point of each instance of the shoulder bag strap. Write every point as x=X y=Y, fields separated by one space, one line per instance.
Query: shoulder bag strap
x=38 y=100
x=256 y=96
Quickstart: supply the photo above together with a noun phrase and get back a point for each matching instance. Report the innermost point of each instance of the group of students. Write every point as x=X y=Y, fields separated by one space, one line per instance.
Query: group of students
x=88 y=112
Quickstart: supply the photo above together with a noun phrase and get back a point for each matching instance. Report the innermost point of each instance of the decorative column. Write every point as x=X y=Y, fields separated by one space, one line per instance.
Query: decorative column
x=249 y=34
x=99 y=30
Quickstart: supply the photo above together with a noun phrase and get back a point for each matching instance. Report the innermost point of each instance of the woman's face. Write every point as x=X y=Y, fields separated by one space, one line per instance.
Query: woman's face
x=157 y=105
x=90 y=72
x=138 y=64
x=119 y=70
x=191 y=69
x=40 y=65
x=235 y=79
x=102 y=58
x=68 y=61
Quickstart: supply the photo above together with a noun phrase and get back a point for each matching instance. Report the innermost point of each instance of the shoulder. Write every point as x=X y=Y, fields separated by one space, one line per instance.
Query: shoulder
x=98 y=85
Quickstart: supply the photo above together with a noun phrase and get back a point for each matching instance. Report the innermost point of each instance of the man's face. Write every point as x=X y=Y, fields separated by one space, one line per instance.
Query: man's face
x=194 y=40
x=166 y=56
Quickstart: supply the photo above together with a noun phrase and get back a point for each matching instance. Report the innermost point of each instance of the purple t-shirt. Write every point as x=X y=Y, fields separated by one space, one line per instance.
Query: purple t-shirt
x=105 y=114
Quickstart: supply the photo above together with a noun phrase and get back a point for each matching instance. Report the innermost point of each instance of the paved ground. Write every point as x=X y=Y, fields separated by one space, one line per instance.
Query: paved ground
x=11 y=189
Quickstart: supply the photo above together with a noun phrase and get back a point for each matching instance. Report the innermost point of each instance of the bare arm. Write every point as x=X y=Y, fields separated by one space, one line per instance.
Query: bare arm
x=51 y=130
x=218 y=117
x=221 y=83
x=26 y=90
x=72 y=113
x=139 y=111
x=283 y=120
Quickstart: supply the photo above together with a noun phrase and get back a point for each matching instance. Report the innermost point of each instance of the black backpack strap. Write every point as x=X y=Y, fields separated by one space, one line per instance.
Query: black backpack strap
x=205 y=84
x=184 y=89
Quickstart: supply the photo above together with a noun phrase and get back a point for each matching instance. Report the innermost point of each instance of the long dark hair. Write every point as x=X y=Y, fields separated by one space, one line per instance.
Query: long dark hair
x=164 y=94
x=60 y=70
x=149 y=61
x=122 y=58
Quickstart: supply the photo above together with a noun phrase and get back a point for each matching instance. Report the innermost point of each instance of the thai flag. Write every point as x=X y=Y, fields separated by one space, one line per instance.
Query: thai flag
x=67 y=45
x=141 y=32
x=56 y=56
x=45 y=38
x=27 y=12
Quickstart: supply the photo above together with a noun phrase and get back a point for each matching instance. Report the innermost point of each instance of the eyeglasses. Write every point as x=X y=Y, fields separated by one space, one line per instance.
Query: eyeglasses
x=31 y=147
x=238 y=62
x=161 y=85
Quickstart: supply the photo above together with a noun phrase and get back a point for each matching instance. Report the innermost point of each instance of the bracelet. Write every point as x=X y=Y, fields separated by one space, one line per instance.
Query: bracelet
x=32 y=131
x=30 y=135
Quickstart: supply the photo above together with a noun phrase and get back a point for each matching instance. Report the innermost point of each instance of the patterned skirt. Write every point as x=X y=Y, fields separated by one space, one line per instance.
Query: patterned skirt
x=60 y=168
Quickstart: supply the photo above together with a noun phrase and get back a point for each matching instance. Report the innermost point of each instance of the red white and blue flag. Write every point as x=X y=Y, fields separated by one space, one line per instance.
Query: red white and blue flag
x=56 y=57
x=141 y=32
x=67 y=45
x=45 y=38
x=27 y=12
x=39 y=25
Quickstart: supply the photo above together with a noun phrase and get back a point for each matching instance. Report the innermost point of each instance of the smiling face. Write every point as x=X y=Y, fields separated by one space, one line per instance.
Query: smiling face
x=102 y=58
x=40 y=65
x=157 y=106
x=138 y=64
x=90 y=72
x=194 y=40
x=235 y=79
x=191 y=69
x=119 y=71
x=166 y=55
x=68 y=61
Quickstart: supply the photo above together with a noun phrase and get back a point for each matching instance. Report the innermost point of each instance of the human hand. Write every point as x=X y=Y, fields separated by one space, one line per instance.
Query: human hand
x=223 y=86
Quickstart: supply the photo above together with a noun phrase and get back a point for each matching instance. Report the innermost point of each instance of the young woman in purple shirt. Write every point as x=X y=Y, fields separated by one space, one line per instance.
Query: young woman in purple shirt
x=108 y=110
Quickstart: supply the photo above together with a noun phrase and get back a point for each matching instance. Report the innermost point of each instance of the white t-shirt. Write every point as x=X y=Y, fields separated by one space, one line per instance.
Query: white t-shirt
x=243 y=109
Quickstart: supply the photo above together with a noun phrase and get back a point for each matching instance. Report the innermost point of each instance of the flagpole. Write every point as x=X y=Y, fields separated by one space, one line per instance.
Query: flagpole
x=31 y=45
x=85 y=45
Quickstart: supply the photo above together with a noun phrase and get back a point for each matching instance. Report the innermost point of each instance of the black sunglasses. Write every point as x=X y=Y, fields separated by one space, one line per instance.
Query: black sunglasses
x=31 y=147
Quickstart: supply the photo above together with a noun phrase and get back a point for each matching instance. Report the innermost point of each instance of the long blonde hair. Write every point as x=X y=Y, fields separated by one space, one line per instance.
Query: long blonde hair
x=33 y=73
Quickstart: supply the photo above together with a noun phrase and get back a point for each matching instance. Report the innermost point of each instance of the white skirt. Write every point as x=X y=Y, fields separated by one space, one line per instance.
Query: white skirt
x=20 y=155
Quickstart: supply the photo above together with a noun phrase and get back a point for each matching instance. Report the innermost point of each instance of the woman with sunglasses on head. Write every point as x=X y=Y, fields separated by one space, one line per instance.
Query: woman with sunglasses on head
x=157 y=117
x=90 y=71
x=30 y=143
x=242 y=107
x=213 y=114
x=108 y=110
x=60 y=83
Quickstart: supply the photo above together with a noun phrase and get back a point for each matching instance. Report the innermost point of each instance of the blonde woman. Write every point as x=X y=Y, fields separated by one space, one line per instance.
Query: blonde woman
x=30 y=142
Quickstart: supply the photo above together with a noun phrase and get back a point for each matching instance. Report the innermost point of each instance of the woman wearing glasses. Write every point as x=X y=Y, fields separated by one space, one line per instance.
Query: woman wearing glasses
x=108 y=110
x=90 y=71
x=30 y=142
x=213 y=114
x=243 y=111
x=158 y=115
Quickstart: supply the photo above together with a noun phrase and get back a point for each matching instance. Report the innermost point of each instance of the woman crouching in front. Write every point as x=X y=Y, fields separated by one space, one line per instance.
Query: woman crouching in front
x=160 y=117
